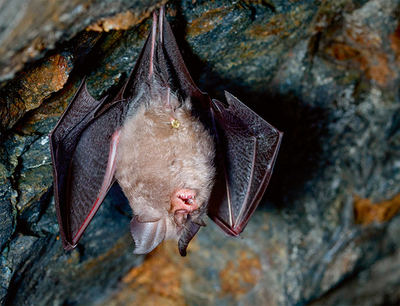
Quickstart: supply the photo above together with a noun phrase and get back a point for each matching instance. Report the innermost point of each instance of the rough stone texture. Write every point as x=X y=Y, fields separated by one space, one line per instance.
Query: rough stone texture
x=32 y=87
x=326 y=73
x=37 y=271
x=377 y=285
x=28 y=28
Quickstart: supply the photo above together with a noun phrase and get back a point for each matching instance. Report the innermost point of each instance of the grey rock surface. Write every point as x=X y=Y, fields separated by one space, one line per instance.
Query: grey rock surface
x=29 y=28
x=39 y=271
x=326 y=73
x=377 y=285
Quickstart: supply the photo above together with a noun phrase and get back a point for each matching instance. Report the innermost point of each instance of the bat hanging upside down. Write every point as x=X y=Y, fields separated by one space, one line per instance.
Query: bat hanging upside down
x=176 y=153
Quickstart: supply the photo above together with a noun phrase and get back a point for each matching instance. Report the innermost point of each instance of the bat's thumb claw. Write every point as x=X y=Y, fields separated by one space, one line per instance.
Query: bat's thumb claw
x=187 y=235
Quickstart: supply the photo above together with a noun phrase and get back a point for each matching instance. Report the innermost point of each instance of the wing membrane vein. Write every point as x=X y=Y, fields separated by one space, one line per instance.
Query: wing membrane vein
x=229 y=200
x=246 y=199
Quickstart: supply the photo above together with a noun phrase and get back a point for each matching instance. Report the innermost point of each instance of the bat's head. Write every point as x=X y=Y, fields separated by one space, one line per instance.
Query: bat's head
x=165 y=168
x=181 y=221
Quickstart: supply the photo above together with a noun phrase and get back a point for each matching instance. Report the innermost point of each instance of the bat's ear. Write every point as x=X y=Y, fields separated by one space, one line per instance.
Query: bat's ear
x=147 y=235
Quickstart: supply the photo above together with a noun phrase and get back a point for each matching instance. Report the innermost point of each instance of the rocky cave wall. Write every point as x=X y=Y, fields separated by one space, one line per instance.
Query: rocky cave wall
x=325 y=73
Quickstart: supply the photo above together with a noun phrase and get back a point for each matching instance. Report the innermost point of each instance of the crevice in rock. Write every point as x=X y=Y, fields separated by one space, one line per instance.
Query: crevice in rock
x=36 y=251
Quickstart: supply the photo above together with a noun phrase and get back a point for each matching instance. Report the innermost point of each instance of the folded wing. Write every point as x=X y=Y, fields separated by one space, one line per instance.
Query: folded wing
x=247 y=147
x=83 y=152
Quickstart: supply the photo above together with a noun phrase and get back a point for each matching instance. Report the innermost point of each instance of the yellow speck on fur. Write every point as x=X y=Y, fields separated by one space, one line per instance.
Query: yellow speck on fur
x=175 y=124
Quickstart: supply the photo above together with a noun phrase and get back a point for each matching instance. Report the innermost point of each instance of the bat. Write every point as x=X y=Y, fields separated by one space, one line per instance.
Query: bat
x=176 y=153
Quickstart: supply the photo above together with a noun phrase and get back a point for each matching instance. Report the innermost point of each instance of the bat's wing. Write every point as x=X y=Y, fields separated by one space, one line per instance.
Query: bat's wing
x=83 y=148
x=169 y=65
x=247 y=147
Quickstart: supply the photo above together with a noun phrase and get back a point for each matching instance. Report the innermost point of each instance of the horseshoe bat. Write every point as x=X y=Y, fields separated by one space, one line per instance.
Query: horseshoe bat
x=176 y=153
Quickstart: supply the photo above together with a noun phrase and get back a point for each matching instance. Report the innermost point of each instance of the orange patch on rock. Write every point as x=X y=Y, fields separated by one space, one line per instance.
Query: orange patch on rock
x=342 y=52
x=366 y=212
x=379 y=69
x=271 y=28
x=281 y=25
x=121 y=21
x=363 y=47
x=363 y=36
x=53 y=107
x=239 y=277
x=157 y=281
x=207 y=21
x=395 y=42
x=40 y=82
x=33 y=86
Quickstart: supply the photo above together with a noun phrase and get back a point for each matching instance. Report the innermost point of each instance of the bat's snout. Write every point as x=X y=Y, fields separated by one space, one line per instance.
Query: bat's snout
x=183 y=201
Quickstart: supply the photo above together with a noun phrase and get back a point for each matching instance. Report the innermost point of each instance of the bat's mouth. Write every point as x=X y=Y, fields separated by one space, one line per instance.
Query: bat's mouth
x=187 y=200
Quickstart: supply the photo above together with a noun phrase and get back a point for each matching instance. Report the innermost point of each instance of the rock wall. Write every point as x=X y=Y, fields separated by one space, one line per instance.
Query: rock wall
x=326 y=73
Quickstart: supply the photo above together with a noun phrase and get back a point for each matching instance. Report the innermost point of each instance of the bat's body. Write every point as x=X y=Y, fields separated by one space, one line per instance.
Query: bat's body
x=176 y=153
x=165 y=163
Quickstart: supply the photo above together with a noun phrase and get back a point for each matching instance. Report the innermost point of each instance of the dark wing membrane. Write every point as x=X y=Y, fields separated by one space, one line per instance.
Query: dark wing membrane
x=161 y=59
x=171 y=64
x=80 y=146
x=247 y=147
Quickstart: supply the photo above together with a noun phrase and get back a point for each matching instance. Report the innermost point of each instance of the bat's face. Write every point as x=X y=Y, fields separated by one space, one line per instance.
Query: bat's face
x=165 y=164
x=183 y=202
